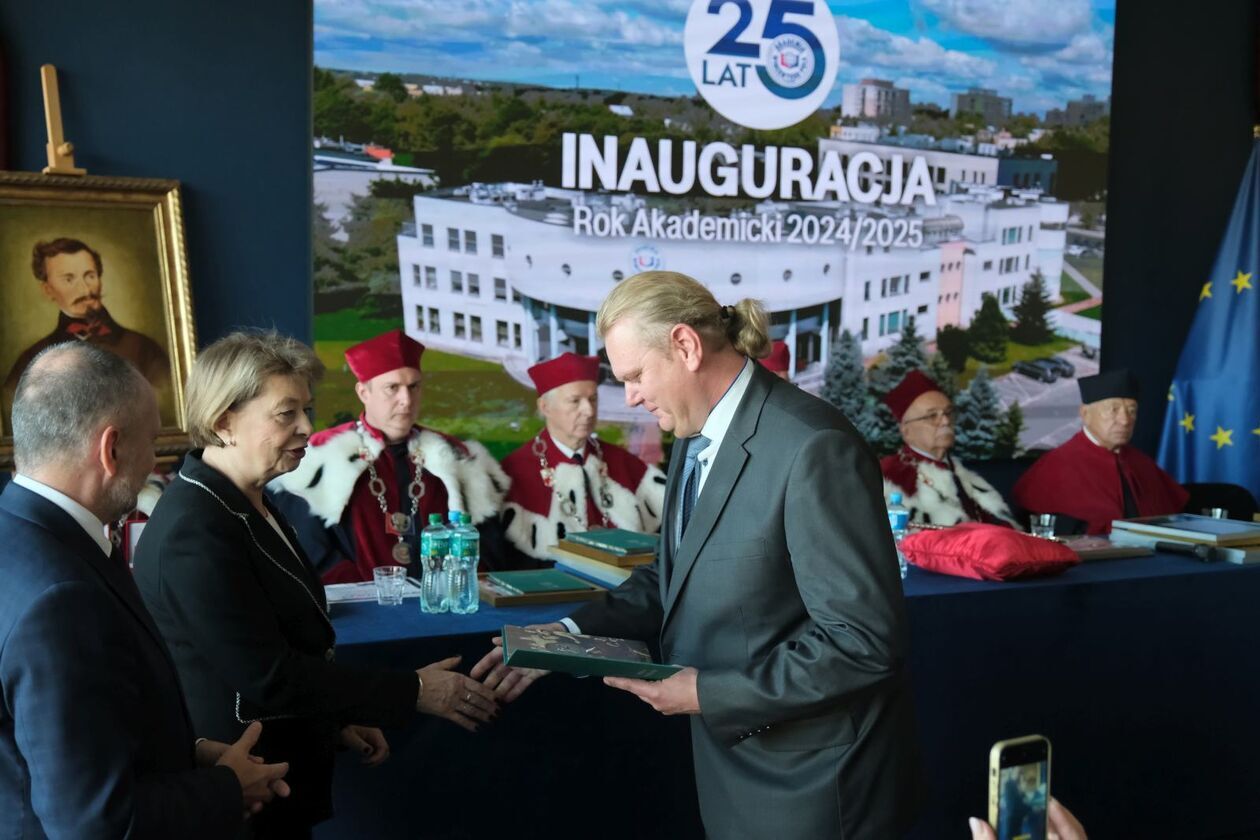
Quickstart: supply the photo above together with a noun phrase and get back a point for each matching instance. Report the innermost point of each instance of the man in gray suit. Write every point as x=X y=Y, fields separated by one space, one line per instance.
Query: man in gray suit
x=776 y=583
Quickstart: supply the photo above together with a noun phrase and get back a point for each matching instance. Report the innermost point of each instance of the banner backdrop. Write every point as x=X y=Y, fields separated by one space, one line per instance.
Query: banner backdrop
x=903 y=183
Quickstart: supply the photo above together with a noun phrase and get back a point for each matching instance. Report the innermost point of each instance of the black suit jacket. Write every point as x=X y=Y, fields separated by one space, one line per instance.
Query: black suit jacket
x=95 y=739
x=247 y=624
x=785 y=593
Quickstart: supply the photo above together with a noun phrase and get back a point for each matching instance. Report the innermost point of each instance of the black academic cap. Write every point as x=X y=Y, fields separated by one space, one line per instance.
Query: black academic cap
x=1112 y=383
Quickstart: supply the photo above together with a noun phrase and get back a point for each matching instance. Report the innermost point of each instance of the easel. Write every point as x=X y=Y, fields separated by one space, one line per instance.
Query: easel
x=60 y=150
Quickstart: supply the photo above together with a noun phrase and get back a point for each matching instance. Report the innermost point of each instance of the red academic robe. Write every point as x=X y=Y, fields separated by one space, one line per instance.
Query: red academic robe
x=333 y=480
x=1082 y=479
x=533 y=519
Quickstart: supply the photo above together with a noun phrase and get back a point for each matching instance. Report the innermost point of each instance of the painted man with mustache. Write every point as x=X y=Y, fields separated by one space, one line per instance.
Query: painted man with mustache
x=69 y=273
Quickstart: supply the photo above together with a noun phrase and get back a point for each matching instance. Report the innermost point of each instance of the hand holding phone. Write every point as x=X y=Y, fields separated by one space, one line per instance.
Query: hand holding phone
x=1019 y=788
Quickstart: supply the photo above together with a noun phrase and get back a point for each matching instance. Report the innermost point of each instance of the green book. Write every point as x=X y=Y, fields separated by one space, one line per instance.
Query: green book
x=530 y=581
x=594 y=656
x=616 y=541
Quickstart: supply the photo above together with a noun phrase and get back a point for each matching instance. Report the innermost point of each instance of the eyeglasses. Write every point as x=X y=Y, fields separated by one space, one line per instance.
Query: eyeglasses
x=934 y=417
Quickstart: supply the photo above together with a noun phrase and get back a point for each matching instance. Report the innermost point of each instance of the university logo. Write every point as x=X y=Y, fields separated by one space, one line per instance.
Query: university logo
x=763 y=64
x=646 y=258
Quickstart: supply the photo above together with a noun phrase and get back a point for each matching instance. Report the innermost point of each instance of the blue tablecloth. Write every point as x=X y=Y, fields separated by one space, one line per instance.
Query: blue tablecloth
x=1140 y=671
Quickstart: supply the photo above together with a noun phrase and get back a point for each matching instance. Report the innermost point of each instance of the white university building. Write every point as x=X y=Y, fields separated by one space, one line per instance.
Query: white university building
x=497 y=271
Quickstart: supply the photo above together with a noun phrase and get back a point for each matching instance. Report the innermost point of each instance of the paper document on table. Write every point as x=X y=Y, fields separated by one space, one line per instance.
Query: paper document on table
x=344 y=593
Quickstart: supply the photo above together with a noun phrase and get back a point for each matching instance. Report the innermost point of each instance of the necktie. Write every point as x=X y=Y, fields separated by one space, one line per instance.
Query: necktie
x=580 y=460
x=691 y=482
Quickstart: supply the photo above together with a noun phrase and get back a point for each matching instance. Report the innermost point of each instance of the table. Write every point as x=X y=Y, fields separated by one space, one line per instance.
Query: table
x=1140 y=671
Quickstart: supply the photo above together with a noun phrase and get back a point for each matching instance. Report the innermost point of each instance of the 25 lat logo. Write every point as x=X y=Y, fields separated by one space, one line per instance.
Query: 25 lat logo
x=763 y=64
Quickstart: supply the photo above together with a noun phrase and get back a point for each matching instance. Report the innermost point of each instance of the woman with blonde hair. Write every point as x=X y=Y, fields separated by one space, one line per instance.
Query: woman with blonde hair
x=241 y=610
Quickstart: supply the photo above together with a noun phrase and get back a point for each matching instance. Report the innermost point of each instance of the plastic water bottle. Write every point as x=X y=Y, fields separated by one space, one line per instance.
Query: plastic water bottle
x=898 y=521
x=452 y=557
x=435 y=546
x=465 y=597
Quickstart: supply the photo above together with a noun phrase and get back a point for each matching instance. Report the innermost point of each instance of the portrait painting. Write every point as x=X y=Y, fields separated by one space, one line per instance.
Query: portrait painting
x=100 y=260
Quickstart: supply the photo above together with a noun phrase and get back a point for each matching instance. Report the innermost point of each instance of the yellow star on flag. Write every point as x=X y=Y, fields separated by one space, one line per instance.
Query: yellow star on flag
x=1206 y=291
x=1256 y=430
x=1170 y=393
x=1187 y=422
x=1223 y=437
x=1242 y=281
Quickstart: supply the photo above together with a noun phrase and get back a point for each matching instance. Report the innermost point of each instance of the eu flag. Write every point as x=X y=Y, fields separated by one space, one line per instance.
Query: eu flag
x=1212 y=426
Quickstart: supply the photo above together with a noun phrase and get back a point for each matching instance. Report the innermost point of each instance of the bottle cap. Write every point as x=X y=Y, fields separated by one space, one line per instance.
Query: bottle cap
x=895 y=498
x=454 y=516
x=465 y=519
x=435 y=519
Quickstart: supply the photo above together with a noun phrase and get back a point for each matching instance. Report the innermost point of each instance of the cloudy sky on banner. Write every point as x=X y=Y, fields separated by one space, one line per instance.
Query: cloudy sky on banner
x=1039 y=52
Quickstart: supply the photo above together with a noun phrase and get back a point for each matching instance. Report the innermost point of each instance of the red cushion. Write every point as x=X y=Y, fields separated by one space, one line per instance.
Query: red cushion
x=986 y=552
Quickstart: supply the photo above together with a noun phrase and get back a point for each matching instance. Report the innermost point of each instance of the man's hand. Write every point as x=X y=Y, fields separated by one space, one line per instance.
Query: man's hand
x=260 y=783
x=448 y=694
x=1061 y=825
x=506 y=682
x=367 y=740
x=675 y=695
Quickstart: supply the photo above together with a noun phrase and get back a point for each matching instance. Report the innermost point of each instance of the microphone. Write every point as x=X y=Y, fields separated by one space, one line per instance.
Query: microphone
x=1200 y=552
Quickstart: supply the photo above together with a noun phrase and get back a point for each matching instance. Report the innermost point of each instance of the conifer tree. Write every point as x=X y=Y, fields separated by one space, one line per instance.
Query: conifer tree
x=977 y=415
x=989 y=332
x=901 y=358
x=955 y=345
x=844 y=381
x=938 y=369
x=1031 y=326
x=1008 y=432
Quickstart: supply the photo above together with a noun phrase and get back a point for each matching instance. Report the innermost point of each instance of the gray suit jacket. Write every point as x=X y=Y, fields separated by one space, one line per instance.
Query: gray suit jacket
x=785 y=594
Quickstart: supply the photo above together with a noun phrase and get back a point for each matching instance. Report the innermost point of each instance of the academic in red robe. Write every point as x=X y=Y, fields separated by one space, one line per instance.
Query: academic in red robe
x=629 y=495
x=942 y=492
x=337 y=516
x=1082 y=479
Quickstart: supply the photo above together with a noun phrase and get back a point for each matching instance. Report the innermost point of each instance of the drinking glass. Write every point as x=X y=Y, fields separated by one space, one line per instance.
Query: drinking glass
x=1042 y=525
x=390 y=581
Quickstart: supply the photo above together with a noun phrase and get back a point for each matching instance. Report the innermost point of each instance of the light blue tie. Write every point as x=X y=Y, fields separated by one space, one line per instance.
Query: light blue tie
x=691 y=483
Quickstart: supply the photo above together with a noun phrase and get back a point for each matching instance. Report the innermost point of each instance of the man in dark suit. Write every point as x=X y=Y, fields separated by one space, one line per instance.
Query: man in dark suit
x=95 y=740
x=776 y=584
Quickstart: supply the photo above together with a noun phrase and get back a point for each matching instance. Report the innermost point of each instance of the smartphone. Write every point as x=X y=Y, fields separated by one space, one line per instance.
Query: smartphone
x=1019 y=787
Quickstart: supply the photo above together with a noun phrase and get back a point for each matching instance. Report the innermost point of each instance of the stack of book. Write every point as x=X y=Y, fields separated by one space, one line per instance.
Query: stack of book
x=1233 y=540
x=534 y=586
x=606 y=556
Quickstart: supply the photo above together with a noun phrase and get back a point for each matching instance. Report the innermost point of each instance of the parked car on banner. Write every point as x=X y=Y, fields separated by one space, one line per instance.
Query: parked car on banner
x=1037 y=370
x=1062 y=366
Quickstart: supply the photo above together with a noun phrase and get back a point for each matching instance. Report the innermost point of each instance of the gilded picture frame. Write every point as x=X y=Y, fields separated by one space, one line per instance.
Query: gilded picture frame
x=97 y=259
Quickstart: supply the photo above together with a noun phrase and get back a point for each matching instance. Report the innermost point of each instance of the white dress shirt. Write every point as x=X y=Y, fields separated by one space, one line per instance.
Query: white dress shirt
x=86 y=519
x=568 y=453
x=719 y=421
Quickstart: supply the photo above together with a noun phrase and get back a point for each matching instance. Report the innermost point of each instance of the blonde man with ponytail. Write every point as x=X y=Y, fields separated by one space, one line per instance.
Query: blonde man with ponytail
x=775 y=589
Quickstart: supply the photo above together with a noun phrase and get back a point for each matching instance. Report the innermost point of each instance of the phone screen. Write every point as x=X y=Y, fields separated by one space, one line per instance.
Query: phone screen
x=1023 y=791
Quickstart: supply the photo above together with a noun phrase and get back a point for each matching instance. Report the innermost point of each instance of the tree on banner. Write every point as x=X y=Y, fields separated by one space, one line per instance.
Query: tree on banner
x=977 y=416
x=844 y=384
x=906 y=355
x=1212 y=422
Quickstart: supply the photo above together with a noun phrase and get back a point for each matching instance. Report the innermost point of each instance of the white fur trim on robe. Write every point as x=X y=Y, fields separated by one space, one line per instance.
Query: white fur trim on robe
x=638 y=511
x=327 y=475
x=937 y=502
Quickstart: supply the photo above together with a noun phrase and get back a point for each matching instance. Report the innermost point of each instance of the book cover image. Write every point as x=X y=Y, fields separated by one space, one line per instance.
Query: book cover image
x=557 y=650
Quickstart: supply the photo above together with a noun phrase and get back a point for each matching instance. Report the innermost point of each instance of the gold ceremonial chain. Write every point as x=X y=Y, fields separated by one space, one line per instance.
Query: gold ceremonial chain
x=376 y=486
x=567 y=506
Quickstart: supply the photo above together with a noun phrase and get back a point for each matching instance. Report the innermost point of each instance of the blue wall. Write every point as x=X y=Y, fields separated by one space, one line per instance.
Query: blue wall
x=215 y=95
